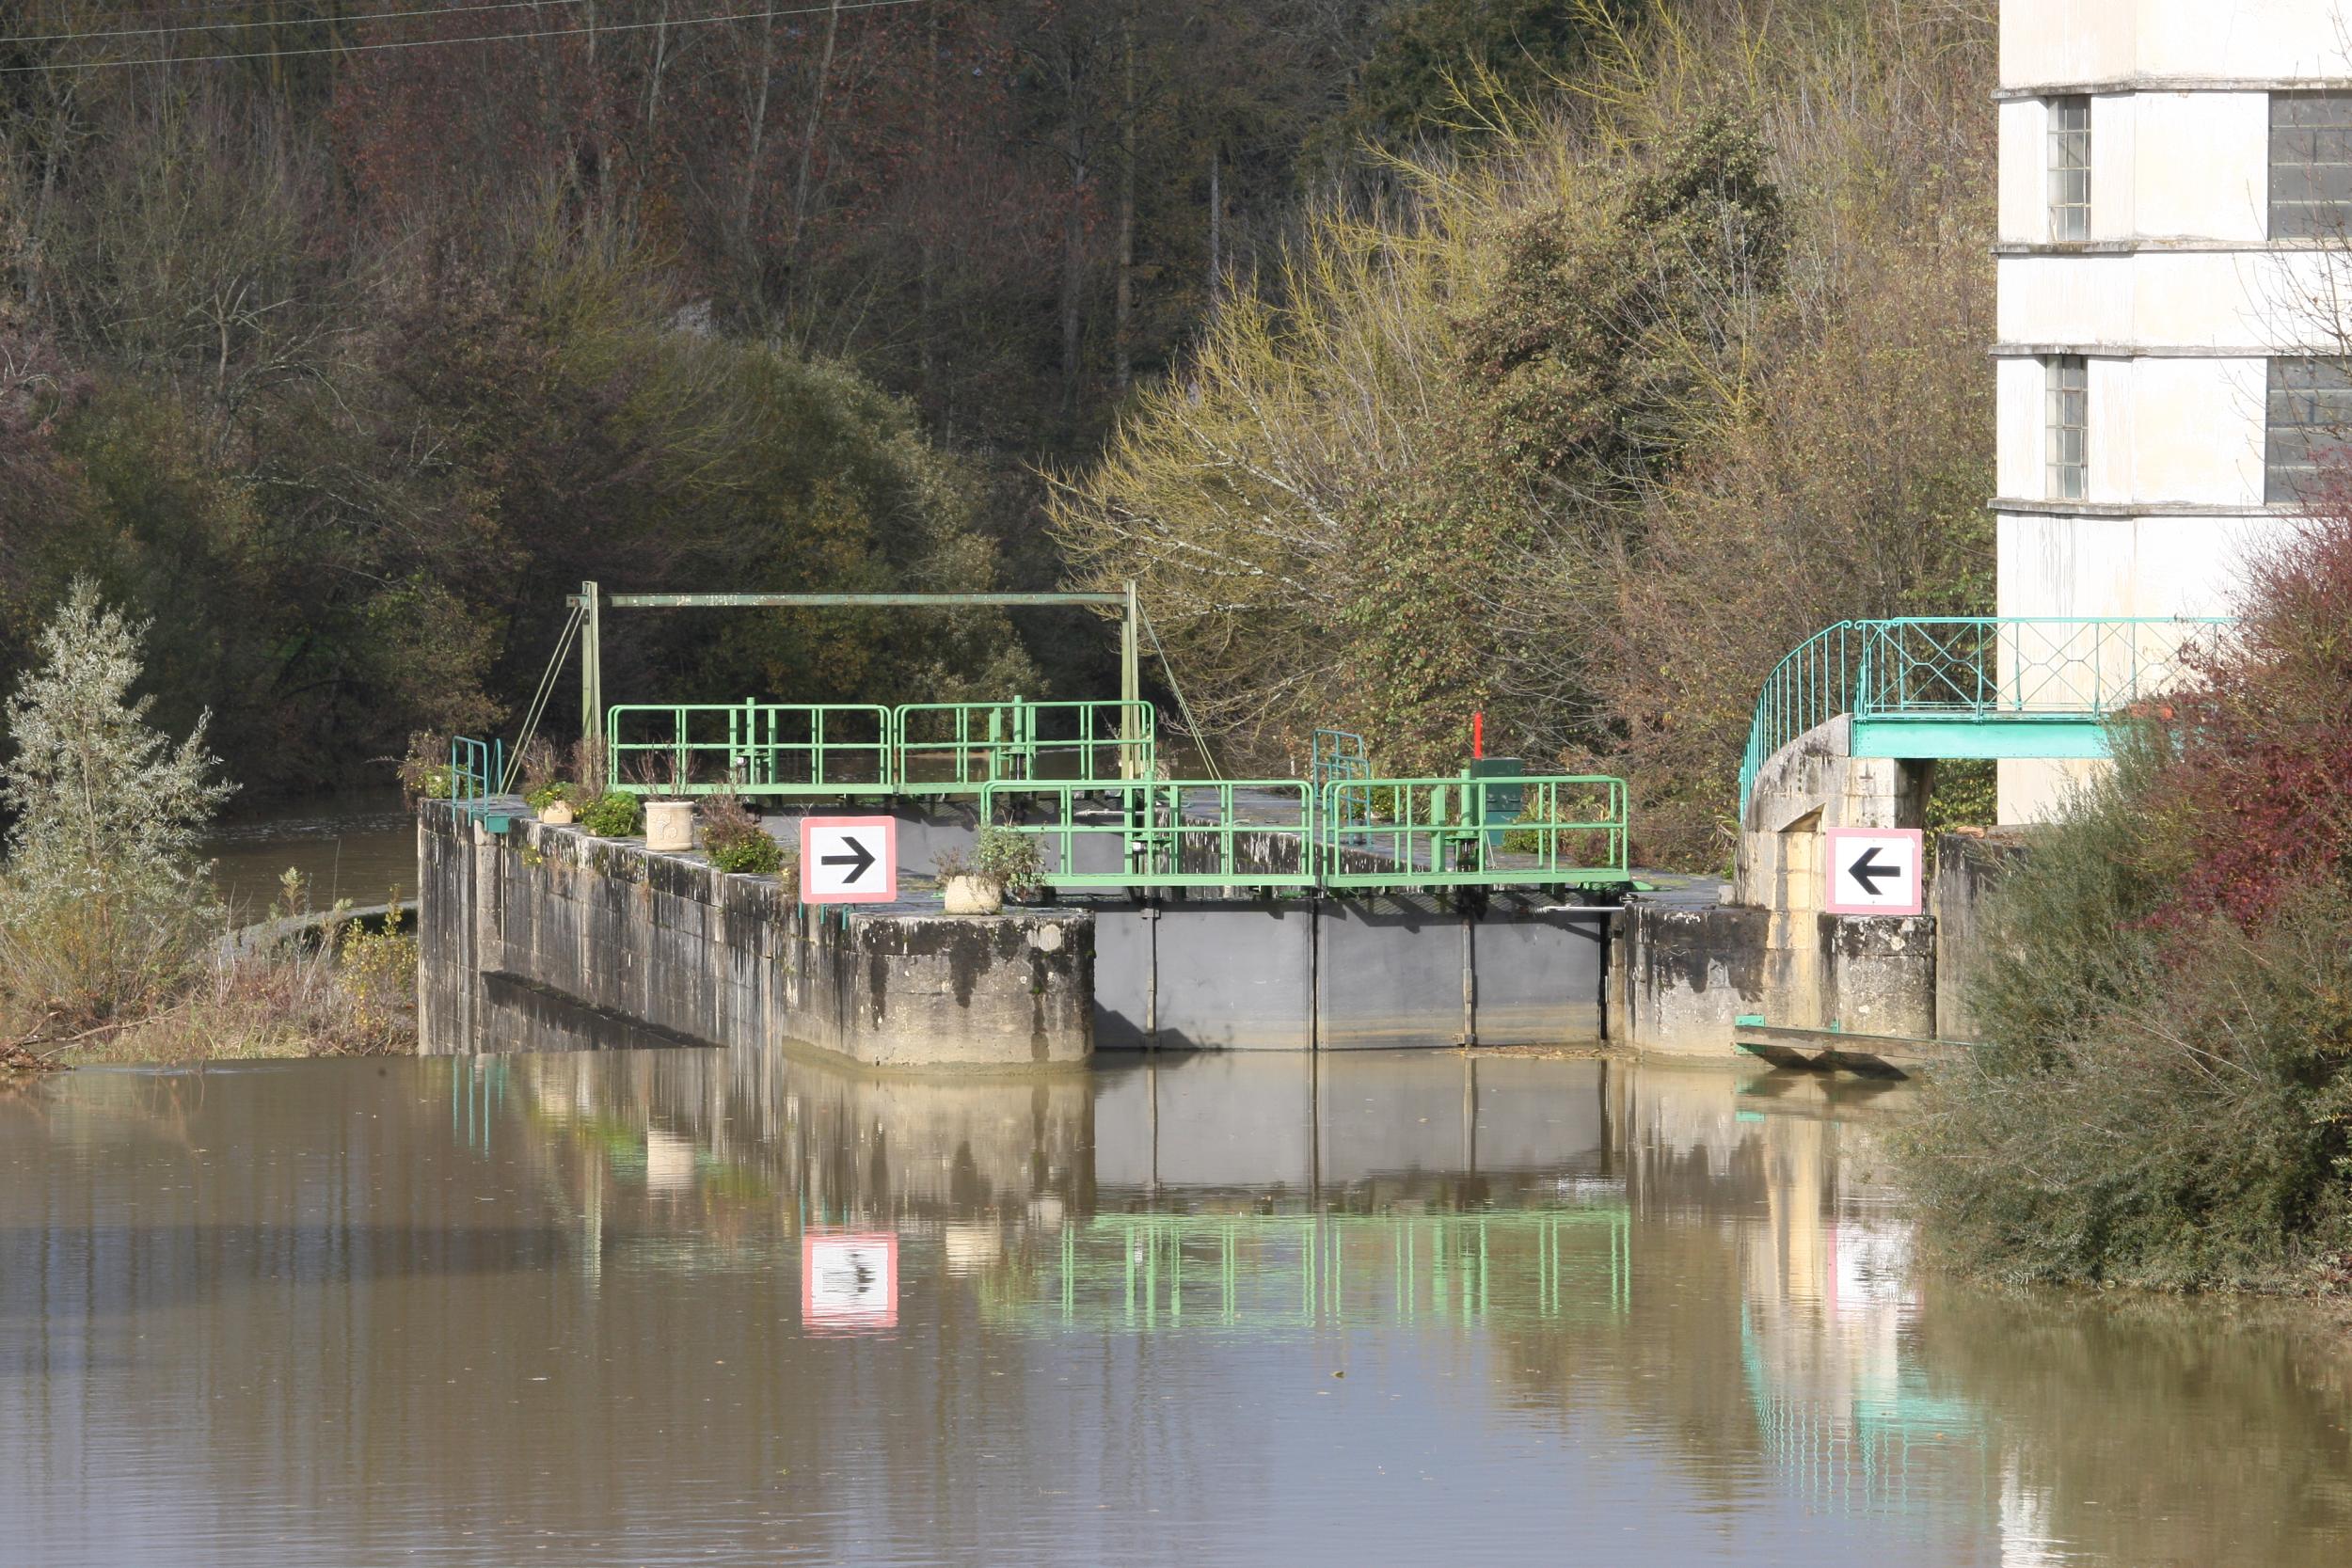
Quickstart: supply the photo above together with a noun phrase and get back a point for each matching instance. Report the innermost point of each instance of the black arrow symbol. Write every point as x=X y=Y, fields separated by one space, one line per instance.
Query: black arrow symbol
x=857 y=860
x=1868 y=869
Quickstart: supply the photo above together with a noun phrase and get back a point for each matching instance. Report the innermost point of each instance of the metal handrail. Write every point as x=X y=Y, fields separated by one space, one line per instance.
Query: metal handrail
x=976 y=744
x=767 y=749
x=1337 y=754
x=476 y=769
x=1974 y=667
x=1162 y=833
x=1460 y=832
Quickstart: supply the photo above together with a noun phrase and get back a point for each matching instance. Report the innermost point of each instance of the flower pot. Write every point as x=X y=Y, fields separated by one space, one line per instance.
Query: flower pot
x=558 y=812
x=972 y=894
x=670 y=826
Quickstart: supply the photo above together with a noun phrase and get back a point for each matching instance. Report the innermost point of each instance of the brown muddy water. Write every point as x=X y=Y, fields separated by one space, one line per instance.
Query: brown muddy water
x=361 y=846
x=675 y=1306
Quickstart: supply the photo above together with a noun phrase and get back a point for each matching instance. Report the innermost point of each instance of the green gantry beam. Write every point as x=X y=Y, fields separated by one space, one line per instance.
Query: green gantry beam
x=852 y=601
x=592 y=601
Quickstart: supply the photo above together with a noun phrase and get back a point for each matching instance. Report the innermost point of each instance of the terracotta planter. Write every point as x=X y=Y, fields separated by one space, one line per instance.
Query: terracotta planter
x=972 y=894
x=670 y=826
x=558 y=812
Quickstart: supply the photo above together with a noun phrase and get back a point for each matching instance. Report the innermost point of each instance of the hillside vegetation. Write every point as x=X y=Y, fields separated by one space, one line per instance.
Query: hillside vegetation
x=1593 y=415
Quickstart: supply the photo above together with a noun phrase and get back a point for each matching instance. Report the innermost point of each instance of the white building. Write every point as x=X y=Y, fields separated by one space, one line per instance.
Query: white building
x=2175 y=188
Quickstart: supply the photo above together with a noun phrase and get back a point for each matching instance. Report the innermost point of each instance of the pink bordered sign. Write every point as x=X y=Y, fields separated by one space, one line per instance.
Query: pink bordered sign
x=849 y=1279
x=848 y=860
x=1873 y=871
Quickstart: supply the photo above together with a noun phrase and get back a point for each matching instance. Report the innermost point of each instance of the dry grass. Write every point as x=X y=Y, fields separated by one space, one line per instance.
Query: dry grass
x=350 y=991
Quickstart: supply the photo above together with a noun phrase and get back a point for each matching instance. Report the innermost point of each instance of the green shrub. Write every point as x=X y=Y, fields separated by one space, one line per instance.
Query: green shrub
x=2155 y=1106
x=1009 y=858
x=616 y=814
x=1967 y=794
x=733 y=839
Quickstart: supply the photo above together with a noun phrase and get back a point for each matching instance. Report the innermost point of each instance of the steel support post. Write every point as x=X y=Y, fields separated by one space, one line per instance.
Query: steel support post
x=1130 y=686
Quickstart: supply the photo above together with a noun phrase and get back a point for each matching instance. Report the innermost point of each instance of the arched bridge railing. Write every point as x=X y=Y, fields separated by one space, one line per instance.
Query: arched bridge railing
x=2009 y=675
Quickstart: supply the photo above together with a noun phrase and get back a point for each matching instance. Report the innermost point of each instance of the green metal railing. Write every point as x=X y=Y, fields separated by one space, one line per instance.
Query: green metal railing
x=959 y=748
x=1337 y=754
x=1163 y=832
x=476 y=769
x=754 y=749
x=918 y=749
x=1532 y=831
x=1974 y=669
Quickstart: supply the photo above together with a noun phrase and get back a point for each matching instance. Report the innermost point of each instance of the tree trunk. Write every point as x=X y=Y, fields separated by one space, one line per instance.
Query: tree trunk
x=816 y=117
x=757 y=137
x=1123 y=319
x=926 y=221
x=660 y=63
x=1217 y=229
x=1073 y=237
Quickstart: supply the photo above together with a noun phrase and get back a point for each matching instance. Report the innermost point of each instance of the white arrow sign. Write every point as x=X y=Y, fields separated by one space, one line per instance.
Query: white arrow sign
x=848 y=860
x=1873 y=871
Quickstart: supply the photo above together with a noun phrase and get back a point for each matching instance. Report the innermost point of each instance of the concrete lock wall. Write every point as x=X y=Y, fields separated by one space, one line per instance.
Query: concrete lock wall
x=1346 y=974
x=1692 y=973
x=669 y=942
x=1968 y=870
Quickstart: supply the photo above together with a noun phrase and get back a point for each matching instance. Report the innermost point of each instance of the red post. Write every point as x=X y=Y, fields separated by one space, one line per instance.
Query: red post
x=1478 y=733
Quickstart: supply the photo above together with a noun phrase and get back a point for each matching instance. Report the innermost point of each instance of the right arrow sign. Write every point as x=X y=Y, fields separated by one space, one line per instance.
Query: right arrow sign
x=1873 y=871
x=848 y=860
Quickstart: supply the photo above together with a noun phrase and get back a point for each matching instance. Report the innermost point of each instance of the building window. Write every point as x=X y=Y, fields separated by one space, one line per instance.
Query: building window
x=2311 y=165
x=2070 y=169
x=2068 y=419
x=2309 y=421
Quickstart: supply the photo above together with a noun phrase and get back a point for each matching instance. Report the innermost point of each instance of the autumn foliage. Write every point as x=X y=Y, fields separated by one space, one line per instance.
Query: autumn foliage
x=2252 y=796
x=2166 y=1097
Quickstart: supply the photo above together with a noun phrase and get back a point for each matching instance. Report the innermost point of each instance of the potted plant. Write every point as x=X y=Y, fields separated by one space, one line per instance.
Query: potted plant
x=556 y=802
x=669 y=806
x=1002 y=860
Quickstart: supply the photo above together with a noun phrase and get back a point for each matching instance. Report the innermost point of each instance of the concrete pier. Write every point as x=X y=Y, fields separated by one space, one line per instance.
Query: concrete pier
x=667 y=944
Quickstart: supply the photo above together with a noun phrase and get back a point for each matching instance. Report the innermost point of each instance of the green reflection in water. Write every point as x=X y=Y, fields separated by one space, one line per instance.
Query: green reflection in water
x=1854 y=1453
x=1271 y=1271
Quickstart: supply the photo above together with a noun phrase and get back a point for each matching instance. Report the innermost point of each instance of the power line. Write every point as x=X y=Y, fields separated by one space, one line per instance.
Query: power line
x=284 y=22
x=441 y=43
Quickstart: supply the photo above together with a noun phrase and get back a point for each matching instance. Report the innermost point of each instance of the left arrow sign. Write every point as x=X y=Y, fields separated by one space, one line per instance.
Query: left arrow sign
x=1867 y=871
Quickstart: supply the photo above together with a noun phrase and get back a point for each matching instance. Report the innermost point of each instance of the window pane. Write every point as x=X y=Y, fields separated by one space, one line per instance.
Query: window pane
x=2310 y=164
x=2070 y=169
x=2067 y=416
x=2309 y=426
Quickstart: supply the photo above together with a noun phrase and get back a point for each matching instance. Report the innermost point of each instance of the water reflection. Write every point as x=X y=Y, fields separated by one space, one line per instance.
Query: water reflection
x=671 y=1304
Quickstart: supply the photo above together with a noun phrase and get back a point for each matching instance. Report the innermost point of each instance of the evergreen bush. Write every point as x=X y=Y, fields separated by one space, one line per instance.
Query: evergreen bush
x=103 y=900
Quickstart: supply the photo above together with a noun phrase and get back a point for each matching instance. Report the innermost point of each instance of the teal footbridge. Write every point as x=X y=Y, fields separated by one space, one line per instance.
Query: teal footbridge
x=1968 y=687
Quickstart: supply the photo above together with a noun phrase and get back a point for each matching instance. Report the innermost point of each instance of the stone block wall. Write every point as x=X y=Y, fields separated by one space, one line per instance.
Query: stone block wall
x=669 y=942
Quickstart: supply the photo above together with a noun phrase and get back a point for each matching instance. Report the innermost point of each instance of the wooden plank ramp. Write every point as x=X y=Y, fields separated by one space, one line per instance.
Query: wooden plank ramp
x=1832 y=1051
